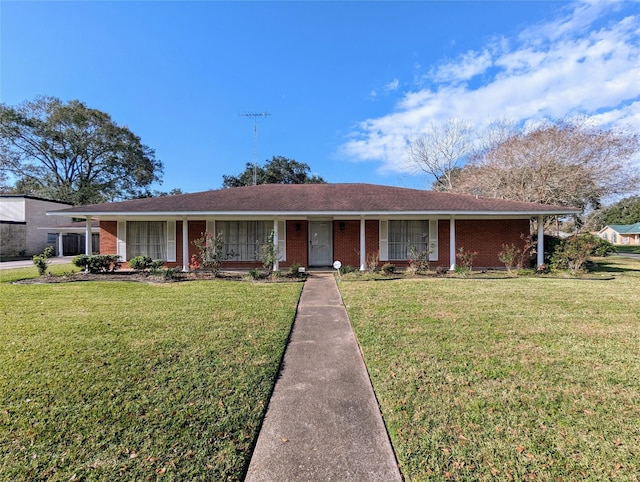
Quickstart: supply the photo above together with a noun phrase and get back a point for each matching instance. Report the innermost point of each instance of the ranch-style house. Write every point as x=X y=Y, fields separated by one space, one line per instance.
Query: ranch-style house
x=316 y=224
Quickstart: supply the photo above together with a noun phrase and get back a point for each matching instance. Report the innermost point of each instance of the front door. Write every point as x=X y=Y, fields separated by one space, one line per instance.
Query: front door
x=320 y=251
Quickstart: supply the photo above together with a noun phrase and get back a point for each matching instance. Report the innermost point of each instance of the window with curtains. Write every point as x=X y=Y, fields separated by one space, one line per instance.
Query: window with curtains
x=147 y=238
x=243 y=239
x=404 y=234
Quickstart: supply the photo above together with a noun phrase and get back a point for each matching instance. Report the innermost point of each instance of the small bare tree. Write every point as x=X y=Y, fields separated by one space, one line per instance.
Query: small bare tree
x=440 y=151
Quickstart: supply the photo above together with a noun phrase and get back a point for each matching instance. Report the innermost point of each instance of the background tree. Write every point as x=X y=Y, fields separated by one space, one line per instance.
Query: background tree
x=440 y=151
x=625 y=211
x=567 y=163
x=279 y=170
x=70 y=152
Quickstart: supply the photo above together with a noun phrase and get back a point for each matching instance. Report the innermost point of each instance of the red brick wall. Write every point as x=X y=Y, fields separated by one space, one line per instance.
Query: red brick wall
x=108 y=237
x=297 y=239
x=487 y=237
x=372 y=238
x=346 y=242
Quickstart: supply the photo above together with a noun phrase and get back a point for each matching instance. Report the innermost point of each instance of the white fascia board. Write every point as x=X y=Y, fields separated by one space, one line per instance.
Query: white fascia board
x=310 y=214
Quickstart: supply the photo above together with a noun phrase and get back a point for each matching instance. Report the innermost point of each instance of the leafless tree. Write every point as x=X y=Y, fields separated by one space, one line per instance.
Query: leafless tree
x=440 y=151
x=566 y=163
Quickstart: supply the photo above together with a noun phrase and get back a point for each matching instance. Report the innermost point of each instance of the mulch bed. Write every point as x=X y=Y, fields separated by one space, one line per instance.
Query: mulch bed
x=135 y=276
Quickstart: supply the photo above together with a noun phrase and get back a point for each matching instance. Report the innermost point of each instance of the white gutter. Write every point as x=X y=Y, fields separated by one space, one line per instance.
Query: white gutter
x=289 y=214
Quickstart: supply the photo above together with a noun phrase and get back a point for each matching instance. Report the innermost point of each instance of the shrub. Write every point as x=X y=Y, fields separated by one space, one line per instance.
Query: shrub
x=99 y=263
x=294 y=270
x=348 y=269
x=140 y=263
x=418 y=260
x=573 y=253
x=388 y=268
x=466 y=259
x=210 y=252
x=372 y=261
x=509 y=255
x=157 y=264
x=254 y=273
x=269 y=252
x=41 y=261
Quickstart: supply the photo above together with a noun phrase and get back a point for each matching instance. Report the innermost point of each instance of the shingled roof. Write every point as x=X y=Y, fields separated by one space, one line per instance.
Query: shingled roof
x=309 y=199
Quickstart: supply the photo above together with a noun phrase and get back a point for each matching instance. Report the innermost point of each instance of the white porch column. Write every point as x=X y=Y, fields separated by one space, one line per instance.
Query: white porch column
x=87 y=237
x=185 y=245
x=60 y=245
x=452 y=243
x=540 y=241
x=276 y=262
x=363 y=246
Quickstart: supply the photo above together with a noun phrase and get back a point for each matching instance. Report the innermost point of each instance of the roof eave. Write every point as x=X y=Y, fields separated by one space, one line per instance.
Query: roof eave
x=455 y=213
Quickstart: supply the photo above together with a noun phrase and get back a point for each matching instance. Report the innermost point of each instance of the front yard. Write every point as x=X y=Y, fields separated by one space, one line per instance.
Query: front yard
x=478 y=379
x=119 y=380
x=513 y=379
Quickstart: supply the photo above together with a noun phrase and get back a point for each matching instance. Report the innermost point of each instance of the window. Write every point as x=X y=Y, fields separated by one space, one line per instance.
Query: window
x=406 y=234
x=243 y=239
x=147 y=238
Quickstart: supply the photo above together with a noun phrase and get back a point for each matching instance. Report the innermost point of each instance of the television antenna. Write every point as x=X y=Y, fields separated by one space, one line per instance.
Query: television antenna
x=255 y=116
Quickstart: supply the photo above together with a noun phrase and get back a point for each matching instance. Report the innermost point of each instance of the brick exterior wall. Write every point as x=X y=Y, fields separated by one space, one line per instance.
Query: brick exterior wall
x=346 y=242
x=484 y=236
x=487 y=237
x=108 y=237
x=297 y=240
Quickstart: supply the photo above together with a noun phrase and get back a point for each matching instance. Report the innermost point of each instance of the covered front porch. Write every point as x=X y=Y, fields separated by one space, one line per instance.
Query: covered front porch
x=318 y=241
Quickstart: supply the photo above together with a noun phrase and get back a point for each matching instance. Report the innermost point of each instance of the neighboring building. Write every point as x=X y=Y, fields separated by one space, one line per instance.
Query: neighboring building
x=20 y=219
x=316 y=224
x=621 y=234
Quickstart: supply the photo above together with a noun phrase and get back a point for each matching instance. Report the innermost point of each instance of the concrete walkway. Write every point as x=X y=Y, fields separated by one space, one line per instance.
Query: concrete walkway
x=323 y=422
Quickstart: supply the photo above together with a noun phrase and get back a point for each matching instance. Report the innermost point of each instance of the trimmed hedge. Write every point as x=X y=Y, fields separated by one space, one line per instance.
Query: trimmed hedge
x=99 y=263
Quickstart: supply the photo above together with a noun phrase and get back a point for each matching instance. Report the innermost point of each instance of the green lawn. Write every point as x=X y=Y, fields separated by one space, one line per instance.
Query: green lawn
x=132 y=381
x=628 y=249
x=512 y=379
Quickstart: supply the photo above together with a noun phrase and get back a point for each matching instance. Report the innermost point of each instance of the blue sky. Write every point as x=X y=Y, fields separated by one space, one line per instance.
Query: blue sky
x=344 y=83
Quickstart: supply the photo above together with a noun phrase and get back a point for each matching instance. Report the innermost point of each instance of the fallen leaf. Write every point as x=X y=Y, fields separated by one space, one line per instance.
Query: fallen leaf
x=161 y=471
x=284 y=440
x=520 y=449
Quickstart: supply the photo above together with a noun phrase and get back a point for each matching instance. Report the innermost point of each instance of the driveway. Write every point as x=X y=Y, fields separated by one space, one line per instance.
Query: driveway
x=27 y=263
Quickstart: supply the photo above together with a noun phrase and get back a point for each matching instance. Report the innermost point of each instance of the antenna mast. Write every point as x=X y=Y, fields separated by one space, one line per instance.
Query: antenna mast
x=255 y=116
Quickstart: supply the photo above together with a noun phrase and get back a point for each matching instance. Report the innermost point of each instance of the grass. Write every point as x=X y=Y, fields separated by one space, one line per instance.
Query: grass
x=120 y=380
x=513 y=379
x=628 y=249
x=11 y=275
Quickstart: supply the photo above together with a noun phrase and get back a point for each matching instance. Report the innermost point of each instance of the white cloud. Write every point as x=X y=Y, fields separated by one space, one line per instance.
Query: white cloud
x=393 y=85
x=584 y=62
